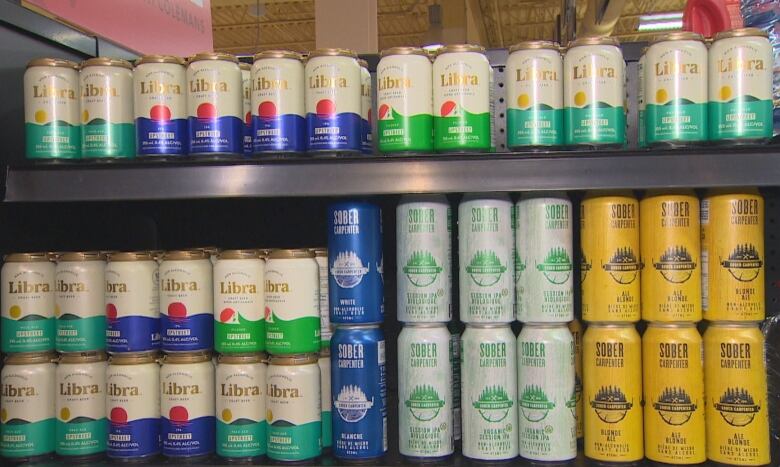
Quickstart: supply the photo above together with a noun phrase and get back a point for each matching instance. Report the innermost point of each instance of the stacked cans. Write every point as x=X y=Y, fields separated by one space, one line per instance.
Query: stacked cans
x=356 y=293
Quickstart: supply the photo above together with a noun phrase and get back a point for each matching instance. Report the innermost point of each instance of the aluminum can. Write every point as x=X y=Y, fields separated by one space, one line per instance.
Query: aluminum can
x=612 y=358
x=740 y=88
x=278 y=111
x=292 y=303
x=404 y=99
x=457 y=431
x=735 y=385
x=424 y=252
x=81 y=405
x=246 y=92
x=611 y=265
x=27 y=416
x=240 y=406
x=326 y=398
x=333 y=101
x=293 y=408
x=107 y=123
x=186 y=301
x=366 y=109
x=160 y=92
x=425 y=391
x=239 y=302
x=79 y=306
x=543 y=262
x=27 y=303
x=641 y=99
x=132 y=297
x=676 y=88
x=51 y=109
x=356 y=263
x=488 y=369
x=461 y=99
x=534 y=115
x=326 y=329
x=594 y=93
x=576 y=329
x=359 y=392
x=673 y=376
x=732 y=255
x=187 y=405
x=486 y=250
x=215 y=105
x=670 y=244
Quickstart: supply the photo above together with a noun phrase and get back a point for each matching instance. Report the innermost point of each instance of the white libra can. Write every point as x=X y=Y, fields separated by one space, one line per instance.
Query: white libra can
x=543 y=261
x=160 y=85
x=186 y=301
x=425 y=391
x=240 y=406
x=27 y=303
x=326 y=329
x=239 y=302
x=80 y=302
x=486 y=244
x=81 y=405
x=325 y=398
x=246 y=116
x=424 y=275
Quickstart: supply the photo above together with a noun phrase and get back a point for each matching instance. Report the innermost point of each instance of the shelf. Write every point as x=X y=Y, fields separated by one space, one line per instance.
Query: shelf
x=381 y=175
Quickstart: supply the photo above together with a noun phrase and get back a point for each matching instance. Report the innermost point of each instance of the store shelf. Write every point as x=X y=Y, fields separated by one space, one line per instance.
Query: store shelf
x=365 y=175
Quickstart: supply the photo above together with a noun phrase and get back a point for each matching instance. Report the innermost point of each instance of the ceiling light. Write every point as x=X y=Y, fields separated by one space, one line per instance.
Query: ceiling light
x=660 y=22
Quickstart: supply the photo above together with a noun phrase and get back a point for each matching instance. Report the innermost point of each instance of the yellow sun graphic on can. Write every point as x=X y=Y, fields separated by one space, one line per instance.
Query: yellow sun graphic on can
x=56 y=310
x=85 y=116
x=40 y=116
x=580 y=98
x=269 y=416
x=3 y=415
x=15 y=312
x=661 y=96
x=227 y=415
x=523 y=101
x=725 y=93
x=65 y=413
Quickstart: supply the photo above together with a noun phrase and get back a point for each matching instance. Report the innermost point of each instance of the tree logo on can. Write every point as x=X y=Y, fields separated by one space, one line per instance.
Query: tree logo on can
x=485 y=268
x=674 y=405
x=624 y=266
x=422 y=269
x=737 y=407
x=676 y=265
x=348 y=269
x=519 y=266
x=744 y=263
x=534 y=404
x=610 y=404
x=352 y=404
x=556 y=266
x=585 y=266
x=424 y=403
x=493 y=404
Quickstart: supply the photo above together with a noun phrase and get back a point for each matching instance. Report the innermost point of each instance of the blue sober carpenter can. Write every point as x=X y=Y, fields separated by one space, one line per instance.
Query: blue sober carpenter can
x=355 y=263
x=359 y=392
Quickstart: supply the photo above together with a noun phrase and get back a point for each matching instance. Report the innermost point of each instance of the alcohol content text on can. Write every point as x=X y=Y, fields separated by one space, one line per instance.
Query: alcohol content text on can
x=404 y=100
x=594 y=93
x=359 y=392
x=240 y=406
x=246 y=93
x=732 y=255
x=215 y=105
x=355 y=260
x=610 y=263
x=160 y=92
x=735 y=385
x=425 y=391
x=27 y=303
x=333 y=101
x=486 y=250
x=239 y=302
x=27 y=417
x=292 y=303
x=740 y=88
x=326 y=398
x=461 y=99
x=132 y=298
x=534 y=116
x=79 y=305
x=575 y=326
x=326 y=329
x=81 y=405
x=612 y=358
x=51 y=109
x=366 y=110
x=543 y=258
x=186 y=301
x=293 y=408
x=424 y=275
x=107 y=120
x=673 y=377
x=278 y=111
x=187 y=404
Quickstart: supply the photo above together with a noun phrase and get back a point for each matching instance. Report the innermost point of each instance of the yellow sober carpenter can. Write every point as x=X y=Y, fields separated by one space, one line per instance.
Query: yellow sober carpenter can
x=670 y=245
x=732 y=255
x=576 y=331
x=610 y=266
x=673 y=377
x=736 y=394
x=612 y=358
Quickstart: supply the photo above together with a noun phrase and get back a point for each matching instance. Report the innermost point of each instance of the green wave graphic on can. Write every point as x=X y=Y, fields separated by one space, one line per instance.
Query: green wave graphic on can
x=30 y=333
x=596 y=124
x=241 y=437
x=20 y=438
x=235 y=334
x=541 y=125
x=457 y=129
x=741 y=118
x=81 y=436
x=77 y=334
x=290 y=442
x=102 y=139
x=676 y=120
x=401 y=133
x=53 y=140
x=301 y=335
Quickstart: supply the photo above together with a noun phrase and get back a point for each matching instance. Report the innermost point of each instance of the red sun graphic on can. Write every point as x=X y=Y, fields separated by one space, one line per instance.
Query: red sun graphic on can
x=227 y=315
x=326 y=108
x=448 y=109
x=118 y=416
x=248 y=118
x=111 y=311
x=178 y=414
x=177 y=311
x=369 y=116
x=384 y=111
x=267 y=313
x=207 y=110
x=160 y=113
x=266 y=109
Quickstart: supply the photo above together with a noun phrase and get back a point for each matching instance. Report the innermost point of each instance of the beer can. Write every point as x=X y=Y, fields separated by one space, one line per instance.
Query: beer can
x=246 y=88
x=576 y=329
x=673 y=377
x=325 y=398
x=424 y=275
x=160 y=96
x=359 y=392
x=239 y=302
x=326 y=329
x=609 y=224
x=732 y=255
x=612 y=358
x=425 y=391
x=240 y=406
x=488 y=369
x=641 y=99
x=457 y=430
x=735 y=385
x=356 y=263
x=81 y=406
x=485 y=247
x=670 y=244
x=79 y=304
x=27 y=303
x=543 y=258
x=186 y=301
x=366 y=110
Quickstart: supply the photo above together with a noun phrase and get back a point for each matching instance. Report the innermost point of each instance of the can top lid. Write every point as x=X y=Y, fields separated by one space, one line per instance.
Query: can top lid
x=159 y=59
x=320 y=252
x=133 y=358
x=187 y=357
x=239 y=254
x=546 y=325
x=453 y=48
x=529 y=45
x=81 y=256
x=107 y=61
x=211 y=250
x=403 y=51
x=83 y=357
x=244 y=66
x=291 y=253
x=185 y=255
x=26 y=257
x=296 y=359
x=741 y=32
x=239 y=358
x=201 y=56
x=131 y=256
x=30 y=357
x=332 y=52
x=53 y=62
x=678 y=36
x=277 y=54
x=362 y=63
x=595 y=40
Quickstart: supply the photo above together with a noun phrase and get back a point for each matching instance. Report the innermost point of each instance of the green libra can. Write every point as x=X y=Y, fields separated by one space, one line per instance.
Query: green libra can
x=27 y=301
x=239 y=302
x=241 y=405
x=79 y=302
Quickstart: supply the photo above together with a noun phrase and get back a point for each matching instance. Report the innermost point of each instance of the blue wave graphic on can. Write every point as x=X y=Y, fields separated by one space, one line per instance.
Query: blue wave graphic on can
x=222 y=135
x=339 y=132
x=161 y=137
x=283 y=133
x=132 y=334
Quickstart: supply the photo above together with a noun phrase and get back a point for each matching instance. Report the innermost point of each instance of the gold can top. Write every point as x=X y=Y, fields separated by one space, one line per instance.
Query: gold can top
x=53 y=62
x=245 y=66
x=403 y=51
x=81 y=256
x=33 y=257
x=535 y=45
x=133 y=358
x=83 y=357
x=28 y=358
x=456 y=48
x=239 y=254
x=297 y=359
x=242 y=358
x=291 y=253
x=159 y=59
x=325 y=352
x=594 y=40
x=131 y=256
x=202 y=56
x=320 y=252
x=678 y=36
x=741 y=32
x=332 y=52
x=362 y=63
x=185 y=255
x=278 y=54
x=187 y=357
x=106 y=61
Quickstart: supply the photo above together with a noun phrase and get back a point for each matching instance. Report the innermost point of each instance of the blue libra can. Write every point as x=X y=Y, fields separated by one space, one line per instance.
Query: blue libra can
x=186 y=301
x=359 y=392
x=160 y=93
x=366 y=111
x=355 y=263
